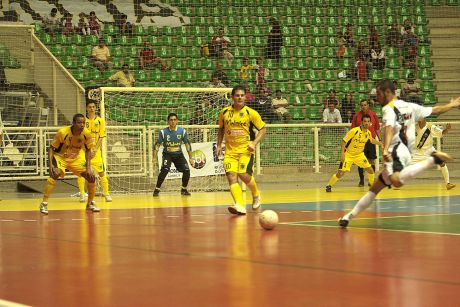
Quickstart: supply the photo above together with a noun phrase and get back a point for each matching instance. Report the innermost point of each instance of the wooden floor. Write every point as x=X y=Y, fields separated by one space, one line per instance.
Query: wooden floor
x=189 y=251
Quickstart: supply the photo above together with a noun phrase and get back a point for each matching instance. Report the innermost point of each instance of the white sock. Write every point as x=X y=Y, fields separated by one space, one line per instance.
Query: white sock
x=411 y=171
x=362 y=205
x=445 y=174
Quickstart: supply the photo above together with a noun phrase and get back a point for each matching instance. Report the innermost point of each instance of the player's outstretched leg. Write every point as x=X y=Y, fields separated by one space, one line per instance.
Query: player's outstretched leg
x=445 y=175
x=336 y=177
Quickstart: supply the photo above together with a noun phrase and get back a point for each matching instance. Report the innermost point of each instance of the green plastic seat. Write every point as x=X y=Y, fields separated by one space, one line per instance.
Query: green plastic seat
x=314 y=114
x=317 y=63
x=45 y=38
x=427 y=86
x=297 y=113
x=345 y=87
x=362 y=87
x=315 y=52
x=56 y=50
x=301 y=63
x=429 y=98
x=130 y=52
x=331 y=63
x=423 y=62
x=330 y=75
x=426 y=74
x=392 y=74
x=345 y=63
x=314 y=75
x=393 y=63
x=69 y=62
x=138 y=30
x=392 y=52
x=376 y=75
x=60 y=39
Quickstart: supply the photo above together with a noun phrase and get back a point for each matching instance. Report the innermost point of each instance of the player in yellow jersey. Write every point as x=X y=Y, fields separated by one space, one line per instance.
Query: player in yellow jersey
x=96 y=125
x=236 y=124
x=353 y=152
x=66 y=153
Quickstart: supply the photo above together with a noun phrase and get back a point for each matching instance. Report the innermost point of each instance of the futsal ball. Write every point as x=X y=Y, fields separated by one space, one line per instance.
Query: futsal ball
x=198 y=159
x=268 y=219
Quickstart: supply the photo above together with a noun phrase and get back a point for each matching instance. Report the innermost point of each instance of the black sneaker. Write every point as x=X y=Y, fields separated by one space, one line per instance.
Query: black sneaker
x=185 y=192
x=343 y=223
x=156 y=192
x=328 y=188
x=361 y=184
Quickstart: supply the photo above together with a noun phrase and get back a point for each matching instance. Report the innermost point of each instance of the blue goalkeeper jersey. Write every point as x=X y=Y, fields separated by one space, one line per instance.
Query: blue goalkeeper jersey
x=173 y=139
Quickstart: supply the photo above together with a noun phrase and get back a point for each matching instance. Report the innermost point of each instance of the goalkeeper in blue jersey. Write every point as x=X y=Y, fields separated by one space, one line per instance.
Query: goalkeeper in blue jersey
x=172 y=138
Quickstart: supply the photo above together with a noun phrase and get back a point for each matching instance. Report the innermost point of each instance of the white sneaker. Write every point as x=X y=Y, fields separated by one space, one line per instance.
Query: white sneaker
x=92 y=207
x=83 y=197
x=44 y=208
x=108 y=198
x=235 y=209
x=256 y=202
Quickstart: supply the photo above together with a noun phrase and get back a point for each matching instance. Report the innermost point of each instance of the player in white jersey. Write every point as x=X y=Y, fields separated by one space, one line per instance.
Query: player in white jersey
x=398 y=124
x=424 y=134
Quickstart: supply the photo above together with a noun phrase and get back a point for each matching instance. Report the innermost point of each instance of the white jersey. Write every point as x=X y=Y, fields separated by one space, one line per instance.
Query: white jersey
x=424 y=138
x=403 y=116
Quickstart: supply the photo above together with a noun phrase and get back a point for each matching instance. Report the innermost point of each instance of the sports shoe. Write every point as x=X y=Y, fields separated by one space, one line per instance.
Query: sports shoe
x=328 y=188
x=83 y=197
x=441 y=157
x=256 y=202
x=343 y=222
x=92 y=207
x=156 y=192
x=44 y=208
x=450 y=186
x=184 y=192
x=235 y=209
x=108 y=198
x=361 y=184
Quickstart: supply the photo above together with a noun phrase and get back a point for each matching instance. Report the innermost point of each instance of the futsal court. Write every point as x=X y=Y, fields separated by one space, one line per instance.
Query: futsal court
x=189 y=251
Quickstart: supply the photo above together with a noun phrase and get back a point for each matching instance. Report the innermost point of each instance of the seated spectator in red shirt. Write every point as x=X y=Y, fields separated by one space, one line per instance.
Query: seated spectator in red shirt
x=361 y=69
x=123 y=25
x=93 y=24
x=82 y=26
x=147 y=57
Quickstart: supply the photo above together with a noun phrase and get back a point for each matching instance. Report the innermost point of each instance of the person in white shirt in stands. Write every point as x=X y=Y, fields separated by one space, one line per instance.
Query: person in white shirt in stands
x=424 y=134
x=331 y=114
x=398 y=124
x=280 y=104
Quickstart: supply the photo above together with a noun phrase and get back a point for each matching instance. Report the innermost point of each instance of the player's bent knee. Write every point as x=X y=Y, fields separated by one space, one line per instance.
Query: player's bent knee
x=164 y=170
x=370 y=170
x=51 y=181
x=89 y=178
x=340 y=174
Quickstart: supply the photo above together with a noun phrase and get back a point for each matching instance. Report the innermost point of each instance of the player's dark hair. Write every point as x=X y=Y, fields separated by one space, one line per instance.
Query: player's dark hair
x=91 y=101
x=171 y=115
x=77 y=116
x=366 y=116
x=363 y=100
x=386 y=85
x=238 y=88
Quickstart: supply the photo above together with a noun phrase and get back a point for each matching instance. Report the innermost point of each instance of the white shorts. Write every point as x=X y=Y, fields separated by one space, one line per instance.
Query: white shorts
x=421 y=156
x=401 y=158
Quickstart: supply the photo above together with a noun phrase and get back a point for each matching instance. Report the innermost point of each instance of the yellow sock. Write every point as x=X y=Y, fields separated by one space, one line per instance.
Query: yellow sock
x=49 y=187
x=81 y=185
x=91 y=191
x=252 y=185
x=237 y=194
x=105 y=184
x=333 y=180
x=371 y=178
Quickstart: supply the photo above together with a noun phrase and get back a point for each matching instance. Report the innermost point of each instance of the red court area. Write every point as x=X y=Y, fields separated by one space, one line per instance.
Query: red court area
x=206 y=257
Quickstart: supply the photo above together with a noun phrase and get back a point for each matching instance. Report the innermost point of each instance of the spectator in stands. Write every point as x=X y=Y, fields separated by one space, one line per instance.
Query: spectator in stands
x=280 y=106
x=412 y=90
x=369 y=149
x=348 y=104
x=394 y=36
x=378 y=56
x=215 y=82
x=331 y=99
x=244 y=71
x=397 y=89
x=361 y=69
x=101 y=56
x=52 y=22
x=331 y=114
x=362 y=50
x=147 y=57
x=123 y=25
x=67 y=24
x=249 y=95
x=348 y=36
x=216 y=99
x=94 y=24
x=341 y=42
x=274 y=40
x=219 y=73
x=373 y=35
x=220 y=45
x=123 y=77
x=198 y=119
x=261 y=74
x=410 y=44
x=82 y=26
x=263 y=105
x=407 y=24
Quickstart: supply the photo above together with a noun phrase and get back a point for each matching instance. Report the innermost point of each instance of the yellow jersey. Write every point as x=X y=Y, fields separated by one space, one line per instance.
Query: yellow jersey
x=244 y=71
x=68 y=146
x=355 y=140
x=97 y=128
x=238 y=128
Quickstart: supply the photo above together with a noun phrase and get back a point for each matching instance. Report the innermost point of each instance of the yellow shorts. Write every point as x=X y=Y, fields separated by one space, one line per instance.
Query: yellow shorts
x=97 y=163
x=360 y=160
x=239 y=163
x=76 y=166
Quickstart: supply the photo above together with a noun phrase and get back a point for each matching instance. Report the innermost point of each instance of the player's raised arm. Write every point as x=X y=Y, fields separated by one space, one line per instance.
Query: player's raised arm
x=453 y=103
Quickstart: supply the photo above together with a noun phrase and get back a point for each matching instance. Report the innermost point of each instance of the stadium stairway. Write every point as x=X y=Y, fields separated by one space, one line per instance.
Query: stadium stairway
x=445 y=42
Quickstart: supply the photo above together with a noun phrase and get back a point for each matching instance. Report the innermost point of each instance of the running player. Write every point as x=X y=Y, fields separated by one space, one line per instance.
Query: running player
x=172 y=138
x=236 y=124
x=66 y=153
x=353 y=145
x=96 y=125
x=398 y=123
x=424 y=145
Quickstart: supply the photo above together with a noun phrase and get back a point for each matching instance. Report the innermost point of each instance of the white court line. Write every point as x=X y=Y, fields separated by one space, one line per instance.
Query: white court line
x=29 y=220
x=284 y=212
x=391 y=200
x=173 y=216
x=196 y=214
x=419 y=206
x=7 y=220
x=102 y=218
x=126 y=217
x=77 y=219
x=403 y=207
x=149 y=217
x=306 y=211
x=198 y=222
x=5 y=303
x=53 y=220
x=221 y=214
x=327 y=210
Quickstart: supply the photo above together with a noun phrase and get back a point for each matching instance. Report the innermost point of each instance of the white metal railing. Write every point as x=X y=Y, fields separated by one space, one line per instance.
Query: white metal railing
x=128 y=149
